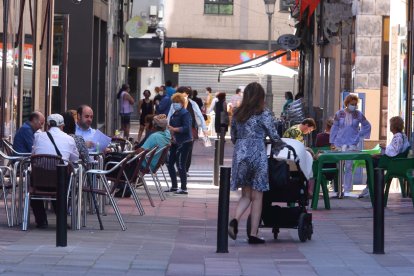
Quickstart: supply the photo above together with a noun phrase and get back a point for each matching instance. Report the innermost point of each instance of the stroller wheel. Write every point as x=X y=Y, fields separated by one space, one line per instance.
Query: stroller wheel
x=303 y=227
x=275 y=232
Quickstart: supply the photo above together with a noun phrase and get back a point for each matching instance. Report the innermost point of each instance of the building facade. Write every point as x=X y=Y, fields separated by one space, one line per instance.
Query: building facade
x=24 y=50
x=198 y=38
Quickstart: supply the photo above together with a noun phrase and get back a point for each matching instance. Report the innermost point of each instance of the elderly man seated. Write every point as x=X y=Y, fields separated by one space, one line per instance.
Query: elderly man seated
x=58 y=143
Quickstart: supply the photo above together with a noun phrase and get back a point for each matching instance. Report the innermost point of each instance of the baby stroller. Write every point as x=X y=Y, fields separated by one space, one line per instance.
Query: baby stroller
x=288 y=184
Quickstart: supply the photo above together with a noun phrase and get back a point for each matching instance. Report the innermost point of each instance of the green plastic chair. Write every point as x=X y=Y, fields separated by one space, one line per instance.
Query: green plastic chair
x=361 y=163
x=324 y=182
x=410 y=178
x=397 y=169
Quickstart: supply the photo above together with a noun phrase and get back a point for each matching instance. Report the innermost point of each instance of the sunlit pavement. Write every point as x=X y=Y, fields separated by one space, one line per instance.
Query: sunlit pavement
x=179 y=237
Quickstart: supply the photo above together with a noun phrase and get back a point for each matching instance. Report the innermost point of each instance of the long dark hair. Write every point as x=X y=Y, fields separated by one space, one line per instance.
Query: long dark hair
x=123 y=88
x=70 y=126
x=252 y=103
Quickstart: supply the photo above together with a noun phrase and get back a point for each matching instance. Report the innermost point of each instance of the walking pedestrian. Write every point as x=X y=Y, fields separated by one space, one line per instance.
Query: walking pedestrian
x=221 y=121
x=145 y=107
x=125 y=108
x=251 y=124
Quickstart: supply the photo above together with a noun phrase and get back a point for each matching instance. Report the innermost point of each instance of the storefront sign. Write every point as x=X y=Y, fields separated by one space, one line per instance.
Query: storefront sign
x=54 y=79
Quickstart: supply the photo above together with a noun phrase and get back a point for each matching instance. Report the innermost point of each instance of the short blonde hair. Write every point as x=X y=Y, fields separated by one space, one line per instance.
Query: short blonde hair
x=178 y=98
x=350 y=98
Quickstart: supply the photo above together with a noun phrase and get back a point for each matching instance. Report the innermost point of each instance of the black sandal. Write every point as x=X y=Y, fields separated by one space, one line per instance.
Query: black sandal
x=255 y=240
x=233 y=229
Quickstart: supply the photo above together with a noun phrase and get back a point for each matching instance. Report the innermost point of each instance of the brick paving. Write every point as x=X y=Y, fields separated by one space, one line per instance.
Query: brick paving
x=178 y=237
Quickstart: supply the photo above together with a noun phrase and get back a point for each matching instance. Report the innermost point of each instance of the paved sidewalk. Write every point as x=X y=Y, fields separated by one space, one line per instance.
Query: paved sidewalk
x=178 y=237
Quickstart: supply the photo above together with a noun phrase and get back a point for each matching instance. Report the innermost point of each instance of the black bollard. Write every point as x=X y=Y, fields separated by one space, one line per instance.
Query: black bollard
x=61 y=211
x=379 y=211
x=223 y=210
x=216 y=162
x=222 y=140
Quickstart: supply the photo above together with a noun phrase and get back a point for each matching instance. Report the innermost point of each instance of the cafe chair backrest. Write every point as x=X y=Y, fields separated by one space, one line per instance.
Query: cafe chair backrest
x=44 y=172
x=385 y=160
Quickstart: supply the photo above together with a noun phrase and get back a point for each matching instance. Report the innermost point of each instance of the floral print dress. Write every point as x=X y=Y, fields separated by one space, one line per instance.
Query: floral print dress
x=249 y=166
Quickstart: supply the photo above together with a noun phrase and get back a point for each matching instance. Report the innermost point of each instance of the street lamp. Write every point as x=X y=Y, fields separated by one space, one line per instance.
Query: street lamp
x=270 y=9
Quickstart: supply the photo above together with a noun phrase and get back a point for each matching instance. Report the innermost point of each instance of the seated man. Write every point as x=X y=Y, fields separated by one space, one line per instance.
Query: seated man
x=44 y=145
x=297 y=131
x=23 y=140
x=84 y=129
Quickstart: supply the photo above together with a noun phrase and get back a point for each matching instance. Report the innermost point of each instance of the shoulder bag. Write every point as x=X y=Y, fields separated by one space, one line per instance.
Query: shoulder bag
x=54 y=144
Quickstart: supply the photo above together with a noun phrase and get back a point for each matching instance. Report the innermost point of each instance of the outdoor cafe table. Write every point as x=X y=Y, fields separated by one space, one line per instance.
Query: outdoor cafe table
x=341 y=156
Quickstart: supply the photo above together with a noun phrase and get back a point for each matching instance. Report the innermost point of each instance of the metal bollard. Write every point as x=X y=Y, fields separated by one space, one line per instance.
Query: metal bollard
x=61 y=212
x=223 y=210
x=222 y=141
x=379 y=211
x=216 y=162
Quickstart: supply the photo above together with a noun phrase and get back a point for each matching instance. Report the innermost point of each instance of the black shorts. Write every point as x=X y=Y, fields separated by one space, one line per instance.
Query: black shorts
x=125 y=119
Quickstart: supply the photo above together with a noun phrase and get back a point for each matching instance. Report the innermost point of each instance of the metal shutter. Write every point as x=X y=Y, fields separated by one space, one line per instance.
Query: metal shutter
x=201 y=76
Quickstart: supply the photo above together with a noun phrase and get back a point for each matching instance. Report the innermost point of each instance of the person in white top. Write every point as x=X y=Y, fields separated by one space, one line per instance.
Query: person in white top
x=66 y=144
x=126 y=102
x=43 y=145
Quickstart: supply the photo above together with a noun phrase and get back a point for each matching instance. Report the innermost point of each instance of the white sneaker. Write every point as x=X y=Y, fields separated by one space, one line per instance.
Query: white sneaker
x=349 y=194
x=364 y=193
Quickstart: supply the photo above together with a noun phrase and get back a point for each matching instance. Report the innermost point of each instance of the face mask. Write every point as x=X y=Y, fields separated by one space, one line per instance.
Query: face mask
x=177 y=106
x=352 y=107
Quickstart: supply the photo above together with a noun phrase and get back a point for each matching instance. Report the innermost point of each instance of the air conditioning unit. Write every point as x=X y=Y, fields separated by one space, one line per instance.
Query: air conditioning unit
x=284 y=5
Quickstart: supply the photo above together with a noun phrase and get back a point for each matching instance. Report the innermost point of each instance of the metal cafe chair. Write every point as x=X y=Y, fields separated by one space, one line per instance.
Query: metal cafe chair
x=41 y=181
x=128 y=177
x=107 y=190
x=9 y=180
x=121 y=144
x=142 y=170
x=163 y=153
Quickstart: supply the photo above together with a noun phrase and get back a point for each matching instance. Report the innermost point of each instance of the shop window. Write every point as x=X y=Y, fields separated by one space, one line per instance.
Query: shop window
x=218 y=7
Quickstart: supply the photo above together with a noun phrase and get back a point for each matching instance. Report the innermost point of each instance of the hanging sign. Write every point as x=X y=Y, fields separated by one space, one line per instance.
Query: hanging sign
x=54 y=78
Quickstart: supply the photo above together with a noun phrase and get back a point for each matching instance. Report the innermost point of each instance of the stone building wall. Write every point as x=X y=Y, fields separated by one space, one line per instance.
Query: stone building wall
x=368 y=37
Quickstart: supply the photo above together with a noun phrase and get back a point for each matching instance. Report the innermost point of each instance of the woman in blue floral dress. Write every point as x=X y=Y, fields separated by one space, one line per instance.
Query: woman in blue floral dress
x=251 y=124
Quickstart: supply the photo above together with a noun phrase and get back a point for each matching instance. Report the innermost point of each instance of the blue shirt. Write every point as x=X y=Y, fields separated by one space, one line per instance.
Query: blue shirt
x=86 y=134
x=182 y=120
x=197 y=113
x=346 y=128
x=23 y=140
x=170 y=91
x=164 y=105
x=160 y=139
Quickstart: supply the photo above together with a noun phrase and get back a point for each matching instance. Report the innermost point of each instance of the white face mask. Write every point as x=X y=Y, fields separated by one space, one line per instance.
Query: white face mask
x=352 y=107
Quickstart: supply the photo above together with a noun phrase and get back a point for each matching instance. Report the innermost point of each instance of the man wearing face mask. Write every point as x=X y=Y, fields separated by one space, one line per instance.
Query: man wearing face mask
x=349 y=127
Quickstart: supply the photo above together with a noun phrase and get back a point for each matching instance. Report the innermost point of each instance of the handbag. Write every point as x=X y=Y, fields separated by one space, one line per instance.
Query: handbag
x=224 y=116
x=194 y=132
x=56 y=148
